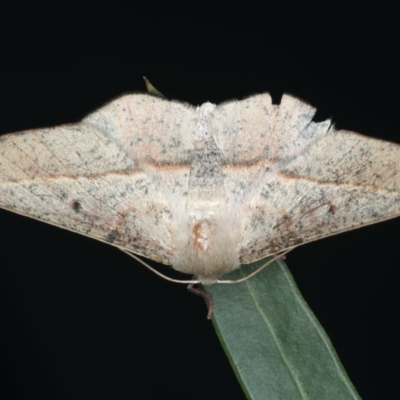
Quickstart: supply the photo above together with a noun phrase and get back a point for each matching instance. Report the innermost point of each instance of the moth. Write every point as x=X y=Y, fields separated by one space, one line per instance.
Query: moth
x=204 y=189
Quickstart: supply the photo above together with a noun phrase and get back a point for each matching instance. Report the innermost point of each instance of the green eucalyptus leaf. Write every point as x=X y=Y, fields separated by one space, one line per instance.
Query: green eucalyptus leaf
x=275 y=344
x=151 y=89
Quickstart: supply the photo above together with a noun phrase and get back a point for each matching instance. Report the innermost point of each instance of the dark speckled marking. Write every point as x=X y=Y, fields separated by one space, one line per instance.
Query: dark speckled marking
x=76 y=206
x=112 y=236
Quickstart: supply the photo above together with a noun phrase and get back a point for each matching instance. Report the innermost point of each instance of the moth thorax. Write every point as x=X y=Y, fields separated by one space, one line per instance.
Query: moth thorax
x=208 y=249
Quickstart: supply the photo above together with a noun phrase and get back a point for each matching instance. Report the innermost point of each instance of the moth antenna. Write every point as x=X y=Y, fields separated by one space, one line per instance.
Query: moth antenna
x=205 y=296
x=277 y=257
x=190 y=282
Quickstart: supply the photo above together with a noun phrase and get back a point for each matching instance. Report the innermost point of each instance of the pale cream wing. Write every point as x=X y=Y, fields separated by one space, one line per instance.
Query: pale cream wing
x=291 y=180
x=257 y=138
x=156 y=134
x=340 y=182
x=95 y=179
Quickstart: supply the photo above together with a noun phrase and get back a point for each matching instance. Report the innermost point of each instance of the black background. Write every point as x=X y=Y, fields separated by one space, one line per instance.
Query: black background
x=81 y=320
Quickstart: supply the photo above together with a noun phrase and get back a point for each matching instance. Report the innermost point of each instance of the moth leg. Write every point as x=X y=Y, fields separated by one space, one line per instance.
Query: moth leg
x=205 y=296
